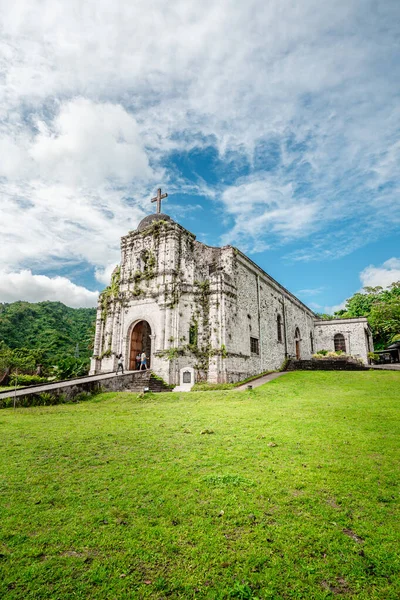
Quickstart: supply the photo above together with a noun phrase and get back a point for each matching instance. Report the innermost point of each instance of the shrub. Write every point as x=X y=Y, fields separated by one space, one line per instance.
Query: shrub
x=70 y=367
x=321 y=354
x=26 y=380
x=336 y=354
x=284 y=365
x=45 y=399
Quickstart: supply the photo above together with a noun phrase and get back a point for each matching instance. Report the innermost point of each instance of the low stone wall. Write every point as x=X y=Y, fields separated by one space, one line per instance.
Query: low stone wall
x=65 y=391
x=324 y=364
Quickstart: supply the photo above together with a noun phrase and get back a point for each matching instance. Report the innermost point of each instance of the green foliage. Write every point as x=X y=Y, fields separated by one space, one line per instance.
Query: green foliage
x=51 y=329
x=23 y=380
x=193 y=333
x=111 y=498
x=223 y=480
x=373 y=356
x=158 y=378
x=44 y=399
x=110 y=292
x=321 y=354
x=381 y=307
x=204 y=386
x=149 y=262
x=284 y=365
x=171 y=353
x=70 y=367
x=325 y=316
x=156 y=228
x=385 y=318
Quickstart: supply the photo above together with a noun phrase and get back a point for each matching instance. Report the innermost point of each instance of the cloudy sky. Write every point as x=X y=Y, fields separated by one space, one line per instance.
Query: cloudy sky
x=274 y=126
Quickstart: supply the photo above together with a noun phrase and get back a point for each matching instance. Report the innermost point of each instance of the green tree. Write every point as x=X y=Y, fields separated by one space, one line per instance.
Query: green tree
x=385 y=319
x=52 y=327
x=381 y=307
x=324 y=316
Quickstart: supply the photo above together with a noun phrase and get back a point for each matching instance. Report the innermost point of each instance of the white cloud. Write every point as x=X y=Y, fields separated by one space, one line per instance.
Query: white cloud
x=383 y=276
x=263 y=206
x=371 y=276
x=104 y=275
x=94 y=95
x=89 y=143
x=329 y=310
x=314 y=306
x=310 y=292
x=23 y=285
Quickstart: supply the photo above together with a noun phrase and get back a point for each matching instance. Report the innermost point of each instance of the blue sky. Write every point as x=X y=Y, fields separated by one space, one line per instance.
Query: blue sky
x=273 y=127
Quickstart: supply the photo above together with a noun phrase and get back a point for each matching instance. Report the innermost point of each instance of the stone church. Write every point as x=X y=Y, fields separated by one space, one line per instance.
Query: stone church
x=186 y=304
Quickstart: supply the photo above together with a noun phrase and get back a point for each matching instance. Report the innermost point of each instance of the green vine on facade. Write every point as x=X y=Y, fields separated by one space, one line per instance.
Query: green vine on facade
x=155 y=229
x=148 y=273
x=111 y=291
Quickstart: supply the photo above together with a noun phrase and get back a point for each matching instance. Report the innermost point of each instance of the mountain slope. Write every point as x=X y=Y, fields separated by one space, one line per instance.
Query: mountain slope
x=51 y=326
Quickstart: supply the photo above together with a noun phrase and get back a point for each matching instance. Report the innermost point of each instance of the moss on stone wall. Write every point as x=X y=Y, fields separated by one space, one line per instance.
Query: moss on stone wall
x=110 y=293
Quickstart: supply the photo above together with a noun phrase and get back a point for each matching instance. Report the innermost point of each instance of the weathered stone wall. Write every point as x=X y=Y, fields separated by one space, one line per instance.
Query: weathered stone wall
x=69 y=390
x=356 y=332
x=252 y=308
x=179 y=285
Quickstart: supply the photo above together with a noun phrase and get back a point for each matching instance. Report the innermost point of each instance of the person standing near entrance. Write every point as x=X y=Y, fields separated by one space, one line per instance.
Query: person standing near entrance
x=138 y=361
x=120 y=364
x=143 y=361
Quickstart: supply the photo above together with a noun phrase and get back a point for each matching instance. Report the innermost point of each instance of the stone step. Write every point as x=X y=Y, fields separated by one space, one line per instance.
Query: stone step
x=325 y=364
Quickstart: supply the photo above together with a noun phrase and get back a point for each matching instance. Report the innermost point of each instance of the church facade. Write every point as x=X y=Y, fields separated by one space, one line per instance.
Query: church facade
x=186 y=304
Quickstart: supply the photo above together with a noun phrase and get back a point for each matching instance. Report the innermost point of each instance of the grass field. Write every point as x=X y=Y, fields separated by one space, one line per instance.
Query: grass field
x=288 y=491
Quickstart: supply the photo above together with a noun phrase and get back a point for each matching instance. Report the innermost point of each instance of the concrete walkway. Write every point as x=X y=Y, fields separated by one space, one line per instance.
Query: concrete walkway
x=388 y=367
x=260 y=381
x=48 y=387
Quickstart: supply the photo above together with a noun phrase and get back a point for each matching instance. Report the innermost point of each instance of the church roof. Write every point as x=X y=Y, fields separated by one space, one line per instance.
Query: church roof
x=147 y=221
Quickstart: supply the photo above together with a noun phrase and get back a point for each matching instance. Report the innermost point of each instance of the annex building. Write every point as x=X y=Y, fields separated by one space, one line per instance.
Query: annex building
x=186 y=304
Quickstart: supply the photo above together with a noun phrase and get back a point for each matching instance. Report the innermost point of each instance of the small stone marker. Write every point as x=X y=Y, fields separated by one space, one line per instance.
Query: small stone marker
x=186 y=380
x=187 y=377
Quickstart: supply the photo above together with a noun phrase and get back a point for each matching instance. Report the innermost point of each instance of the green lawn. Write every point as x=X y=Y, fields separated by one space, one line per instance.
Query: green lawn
x=294 y=494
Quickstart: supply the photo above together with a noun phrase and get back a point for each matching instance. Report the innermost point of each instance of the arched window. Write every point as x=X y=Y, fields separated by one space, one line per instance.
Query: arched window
x=279 y=327
x=297 y=340
x=311 y=342
x=339 y=342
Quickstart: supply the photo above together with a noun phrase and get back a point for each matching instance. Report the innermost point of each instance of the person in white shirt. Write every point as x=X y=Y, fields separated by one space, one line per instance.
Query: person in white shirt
x=120 y=364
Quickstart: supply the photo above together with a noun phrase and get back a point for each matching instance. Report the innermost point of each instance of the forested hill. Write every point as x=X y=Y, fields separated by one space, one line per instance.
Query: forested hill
x=51 y=326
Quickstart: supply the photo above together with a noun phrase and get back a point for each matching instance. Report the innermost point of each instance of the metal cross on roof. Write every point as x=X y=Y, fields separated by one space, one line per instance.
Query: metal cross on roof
x=158 y=199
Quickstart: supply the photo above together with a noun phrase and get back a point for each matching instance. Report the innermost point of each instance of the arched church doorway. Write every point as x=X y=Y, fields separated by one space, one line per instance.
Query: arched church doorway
x=140 y=342
x=297 y=341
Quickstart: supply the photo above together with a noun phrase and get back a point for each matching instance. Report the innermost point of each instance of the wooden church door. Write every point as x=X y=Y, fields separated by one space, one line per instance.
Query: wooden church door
x=140 y=341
